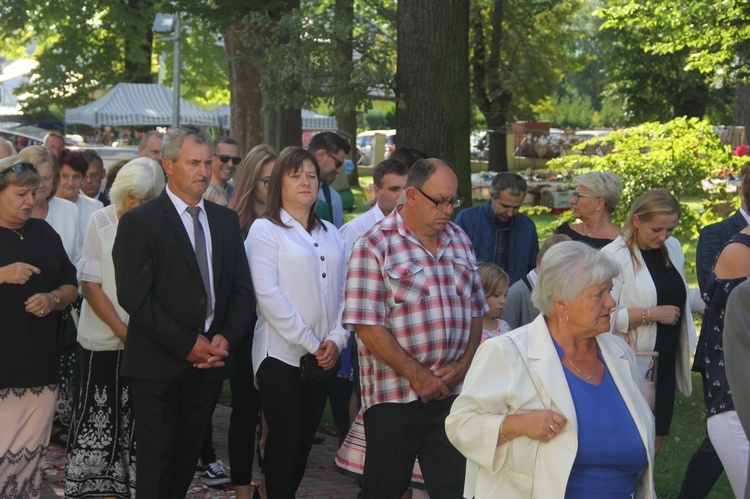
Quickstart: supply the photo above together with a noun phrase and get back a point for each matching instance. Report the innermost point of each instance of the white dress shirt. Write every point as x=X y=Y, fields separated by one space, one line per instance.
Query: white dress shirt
x=298 y=279
x=359 y=225
x=62 y=215
x=187 y=220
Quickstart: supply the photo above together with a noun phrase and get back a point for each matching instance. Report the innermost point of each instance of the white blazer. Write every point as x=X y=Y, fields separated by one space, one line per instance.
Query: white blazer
x=635 y=289
x=518 y=373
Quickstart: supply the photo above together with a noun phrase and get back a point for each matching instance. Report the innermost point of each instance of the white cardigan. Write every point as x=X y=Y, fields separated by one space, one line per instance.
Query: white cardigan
x=635 y=289
x=518 y=373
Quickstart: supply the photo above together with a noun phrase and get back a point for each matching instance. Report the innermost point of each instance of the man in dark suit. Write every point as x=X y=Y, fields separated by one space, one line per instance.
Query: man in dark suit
x=183 y=277
x=705 y=467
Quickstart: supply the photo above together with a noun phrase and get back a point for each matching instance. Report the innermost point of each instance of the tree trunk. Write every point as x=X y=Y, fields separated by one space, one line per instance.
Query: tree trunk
x=742 y=107
x=138 y=43
x=432 y=82
x=245 y=71
x=347 y=118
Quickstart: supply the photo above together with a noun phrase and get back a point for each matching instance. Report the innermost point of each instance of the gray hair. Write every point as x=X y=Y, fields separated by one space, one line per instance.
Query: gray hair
x=175 y=137
x=25 y=178
x=9 y=145
x=603 y=184
x=567 y=269
x=141 y=178
x=508 y=181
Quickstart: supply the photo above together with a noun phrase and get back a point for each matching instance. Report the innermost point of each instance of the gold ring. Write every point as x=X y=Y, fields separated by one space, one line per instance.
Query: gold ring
x=41 y=311
x=552 y=428
x=549 y=436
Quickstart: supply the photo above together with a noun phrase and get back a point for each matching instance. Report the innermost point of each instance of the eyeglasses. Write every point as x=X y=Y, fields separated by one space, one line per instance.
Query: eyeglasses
x=265 y=181
x=226 y=157
x=18 y=168
x=93 y=176
x=578 y=195
x=442 y=205
x=339 y=163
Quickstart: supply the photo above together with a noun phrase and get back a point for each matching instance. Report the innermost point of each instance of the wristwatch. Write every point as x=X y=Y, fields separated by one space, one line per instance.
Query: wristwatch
x=55 y=297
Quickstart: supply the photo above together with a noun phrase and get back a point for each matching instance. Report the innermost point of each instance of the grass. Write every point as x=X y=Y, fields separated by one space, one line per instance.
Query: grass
x=688 y=424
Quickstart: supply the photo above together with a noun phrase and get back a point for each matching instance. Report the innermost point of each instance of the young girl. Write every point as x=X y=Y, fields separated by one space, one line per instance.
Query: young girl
x=495 y=283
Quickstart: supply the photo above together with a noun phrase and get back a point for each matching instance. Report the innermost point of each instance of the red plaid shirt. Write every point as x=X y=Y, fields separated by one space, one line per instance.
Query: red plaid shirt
x=426 y=302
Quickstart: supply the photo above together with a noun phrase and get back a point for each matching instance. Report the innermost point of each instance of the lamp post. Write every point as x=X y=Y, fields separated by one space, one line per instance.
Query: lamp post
x=165 y=24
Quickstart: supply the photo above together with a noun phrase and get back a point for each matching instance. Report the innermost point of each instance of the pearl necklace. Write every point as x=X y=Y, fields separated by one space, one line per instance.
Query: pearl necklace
x=19 y=234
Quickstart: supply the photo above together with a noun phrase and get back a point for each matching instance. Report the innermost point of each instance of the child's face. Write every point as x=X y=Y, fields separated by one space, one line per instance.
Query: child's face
x=496 y=302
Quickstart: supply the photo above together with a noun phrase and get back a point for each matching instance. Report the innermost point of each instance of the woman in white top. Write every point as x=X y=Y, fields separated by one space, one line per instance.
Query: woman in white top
x=655 y=305
x=62 y=215
x=99 y=456
x=297 y=264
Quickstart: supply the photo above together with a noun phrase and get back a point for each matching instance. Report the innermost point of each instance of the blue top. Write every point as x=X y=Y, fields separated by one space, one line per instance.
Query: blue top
x=611 y=453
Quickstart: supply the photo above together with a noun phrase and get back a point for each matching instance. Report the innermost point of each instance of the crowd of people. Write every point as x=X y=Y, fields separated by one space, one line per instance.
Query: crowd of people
x=460 y=359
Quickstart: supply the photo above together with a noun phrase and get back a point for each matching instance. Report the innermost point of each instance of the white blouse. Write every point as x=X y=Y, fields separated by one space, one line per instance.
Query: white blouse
x=96 y=266
x=299 y=283
x=86 y=207
x=62 y=215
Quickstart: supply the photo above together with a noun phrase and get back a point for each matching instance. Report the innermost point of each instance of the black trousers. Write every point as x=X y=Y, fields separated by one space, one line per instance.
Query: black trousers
x=245 y=414
x=293 y=410
x=399 y=433
x=172 y=420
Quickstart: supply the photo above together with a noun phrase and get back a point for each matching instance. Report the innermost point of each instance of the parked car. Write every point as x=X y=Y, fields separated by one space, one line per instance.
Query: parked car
x=365 y=144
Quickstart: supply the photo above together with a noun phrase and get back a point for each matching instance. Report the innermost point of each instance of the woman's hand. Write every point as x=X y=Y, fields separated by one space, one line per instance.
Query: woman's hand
x=664 y=314
x=40 y=304
x=18 y=273
x=327 y=354
x=543 y=425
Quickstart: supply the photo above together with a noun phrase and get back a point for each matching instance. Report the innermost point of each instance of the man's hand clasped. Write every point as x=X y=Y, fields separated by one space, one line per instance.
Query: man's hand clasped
x=209 y=354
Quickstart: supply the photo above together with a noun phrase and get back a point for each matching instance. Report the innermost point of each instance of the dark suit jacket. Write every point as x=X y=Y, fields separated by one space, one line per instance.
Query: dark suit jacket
x=104 y=198
x=713 y=237
x=160 y=286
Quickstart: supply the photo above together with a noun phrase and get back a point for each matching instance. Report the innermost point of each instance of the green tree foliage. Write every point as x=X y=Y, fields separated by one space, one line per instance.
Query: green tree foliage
x=518 y=55
x=81 y=46
x=679 y=155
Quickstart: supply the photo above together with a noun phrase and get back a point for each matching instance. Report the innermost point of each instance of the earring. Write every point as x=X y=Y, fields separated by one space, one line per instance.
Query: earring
x=567 y=319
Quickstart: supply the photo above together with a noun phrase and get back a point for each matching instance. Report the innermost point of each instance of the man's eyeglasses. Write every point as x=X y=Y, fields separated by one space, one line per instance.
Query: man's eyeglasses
x=339 y=163
x=93 y=176
x=578 y=195
x=226 y=157
x=442 y=205
x=18 y=168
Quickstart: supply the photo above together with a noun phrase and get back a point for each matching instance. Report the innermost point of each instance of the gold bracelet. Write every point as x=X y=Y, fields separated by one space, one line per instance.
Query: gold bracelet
x=501 y=430
x=645 y=322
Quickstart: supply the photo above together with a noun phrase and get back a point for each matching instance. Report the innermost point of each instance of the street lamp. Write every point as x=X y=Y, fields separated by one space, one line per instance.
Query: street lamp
x=165 y=24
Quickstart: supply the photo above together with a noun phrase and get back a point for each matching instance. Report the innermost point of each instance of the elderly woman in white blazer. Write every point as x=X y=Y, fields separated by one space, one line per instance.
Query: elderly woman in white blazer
x=556 y=408
x=651 y=269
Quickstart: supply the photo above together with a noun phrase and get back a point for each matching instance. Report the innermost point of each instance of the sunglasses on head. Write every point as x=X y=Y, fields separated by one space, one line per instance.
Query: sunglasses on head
x=226 y=157
x=18 y=168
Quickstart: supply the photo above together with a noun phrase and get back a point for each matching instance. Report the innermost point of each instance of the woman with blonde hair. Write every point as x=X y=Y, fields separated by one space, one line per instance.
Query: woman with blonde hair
x=100 y=456
x=655 y=305
x=595 y=198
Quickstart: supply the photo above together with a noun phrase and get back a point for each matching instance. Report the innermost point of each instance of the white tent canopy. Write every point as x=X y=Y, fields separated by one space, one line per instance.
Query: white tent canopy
x=137 y=104
x=310 y=120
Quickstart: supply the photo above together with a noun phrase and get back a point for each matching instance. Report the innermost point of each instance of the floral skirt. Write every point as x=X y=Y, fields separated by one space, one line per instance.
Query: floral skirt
x=64 y=407
x=25 y=426
x=101 y=445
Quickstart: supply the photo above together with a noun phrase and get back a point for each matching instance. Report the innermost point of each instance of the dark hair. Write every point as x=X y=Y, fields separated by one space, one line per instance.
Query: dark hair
x=329 y=141
x=74 y=159
x=223 y=140
x=248 y=174
x=508 y=181
x=386 y=167
x=407 y=155
x=114 y=169
x=290 y=160
x=92 y=157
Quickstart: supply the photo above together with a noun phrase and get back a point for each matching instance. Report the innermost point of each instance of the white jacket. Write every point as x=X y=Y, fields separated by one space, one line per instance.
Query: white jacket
x=518 y=373
x=635 y=289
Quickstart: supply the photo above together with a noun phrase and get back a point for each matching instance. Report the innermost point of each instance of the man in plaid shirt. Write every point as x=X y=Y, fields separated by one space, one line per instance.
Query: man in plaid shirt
x=414 y=299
